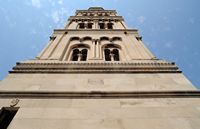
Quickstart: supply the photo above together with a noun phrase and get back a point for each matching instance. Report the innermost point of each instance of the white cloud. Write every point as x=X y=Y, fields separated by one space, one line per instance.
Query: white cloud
x=141 y=19
x=60 y=2
x=59 y=16
x=52 y=2
x=36 y=3
x=55 y=16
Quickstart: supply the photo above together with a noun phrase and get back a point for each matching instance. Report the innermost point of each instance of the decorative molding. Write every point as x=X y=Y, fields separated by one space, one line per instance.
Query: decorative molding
x=100 y=30
x=39 y=66
x=98 y=94
x=96 y=11
x=120 y=18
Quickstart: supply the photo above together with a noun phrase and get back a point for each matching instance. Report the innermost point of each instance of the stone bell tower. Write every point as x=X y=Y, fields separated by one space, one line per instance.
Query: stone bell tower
x=96 y=73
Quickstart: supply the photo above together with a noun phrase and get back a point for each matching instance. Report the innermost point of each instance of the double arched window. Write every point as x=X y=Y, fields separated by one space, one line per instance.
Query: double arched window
x=111 y=53
x=79 y=53
x=83 y=25
x=103 y=25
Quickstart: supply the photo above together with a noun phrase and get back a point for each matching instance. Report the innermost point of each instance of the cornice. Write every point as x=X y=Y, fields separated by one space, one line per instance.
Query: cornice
x=39 y=66
x=96 y=18
x=98 y=94
x=96 y=11
x=65 y=31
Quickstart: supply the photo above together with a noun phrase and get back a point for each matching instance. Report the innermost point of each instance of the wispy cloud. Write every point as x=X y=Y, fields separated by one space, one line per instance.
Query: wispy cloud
x=60 y=2
x=141 y=19
x=36 y=3
x=59 y=15
x=55 y=16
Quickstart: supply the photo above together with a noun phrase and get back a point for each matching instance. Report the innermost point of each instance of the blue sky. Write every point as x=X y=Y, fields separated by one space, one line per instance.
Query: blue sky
x=170 y=28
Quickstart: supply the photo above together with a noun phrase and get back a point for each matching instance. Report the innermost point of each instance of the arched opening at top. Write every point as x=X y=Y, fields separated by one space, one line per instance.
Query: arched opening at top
x=90 y=25
x=115 y=53
x=75 y=38
x=111 y=52
x=83 y=53
x=116 y=39
x=75 y=55
x=110 y=25
x=79 y=53
x=104 y=38
x=81 y=25
x=101 y=25
x=107 y=55
x=86 y=38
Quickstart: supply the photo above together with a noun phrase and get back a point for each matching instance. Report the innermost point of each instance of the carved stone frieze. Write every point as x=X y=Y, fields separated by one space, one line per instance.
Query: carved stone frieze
x=39 y=66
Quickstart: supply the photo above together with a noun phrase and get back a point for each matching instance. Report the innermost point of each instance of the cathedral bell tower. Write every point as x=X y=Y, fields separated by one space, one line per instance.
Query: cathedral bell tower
x=96 y=73
x=95 y=35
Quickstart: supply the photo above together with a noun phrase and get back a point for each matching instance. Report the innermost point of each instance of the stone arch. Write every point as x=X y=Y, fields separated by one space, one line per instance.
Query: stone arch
x=110 y=25
x=116 y=39
x=104 y=38
x=80 y=45
x=79 y=52
x=111 y=52
x=111 y=45
x=74 y=38
x=86 y=38
x=81 y=25
x=73 y=42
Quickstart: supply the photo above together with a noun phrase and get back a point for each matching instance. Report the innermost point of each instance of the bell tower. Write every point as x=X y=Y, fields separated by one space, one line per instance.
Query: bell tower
x=96 y=73
x=95 y=35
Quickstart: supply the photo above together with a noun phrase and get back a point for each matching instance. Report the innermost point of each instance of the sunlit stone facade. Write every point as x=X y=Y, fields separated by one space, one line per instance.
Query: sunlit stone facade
x=96 y=73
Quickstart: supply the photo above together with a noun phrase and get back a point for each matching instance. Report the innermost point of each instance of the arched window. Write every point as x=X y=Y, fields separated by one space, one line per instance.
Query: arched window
x=111 y=53
x=115 y=53
x=75 y=55
x=101 y=25
x=83 y=53
x=110 y=25
x=107 y=55
x=81 y=25
x=79 y=53
x=90 y=25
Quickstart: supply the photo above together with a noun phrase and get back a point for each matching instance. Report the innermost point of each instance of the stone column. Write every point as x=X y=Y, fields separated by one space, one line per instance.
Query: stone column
x=86 y=25
x=96 y=26
x=97 y=49
x=93 y=49
x=106 y=25
x=79 y=56
x=112 y=57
